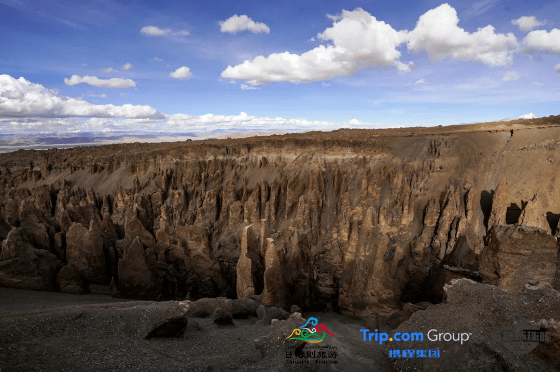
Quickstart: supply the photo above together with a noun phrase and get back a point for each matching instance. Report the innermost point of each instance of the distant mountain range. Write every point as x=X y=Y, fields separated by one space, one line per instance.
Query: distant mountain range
x=526 y=116
x=13 y=142
x=42 y=141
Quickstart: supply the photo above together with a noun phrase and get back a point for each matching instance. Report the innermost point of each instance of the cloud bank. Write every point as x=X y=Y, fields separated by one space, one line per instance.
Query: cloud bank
x=28 y=108
x=22 y=98
x=358 y=40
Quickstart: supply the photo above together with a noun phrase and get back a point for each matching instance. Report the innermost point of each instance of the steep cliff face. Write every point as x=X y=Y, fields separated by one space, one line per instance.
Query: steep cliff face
x=358 y=220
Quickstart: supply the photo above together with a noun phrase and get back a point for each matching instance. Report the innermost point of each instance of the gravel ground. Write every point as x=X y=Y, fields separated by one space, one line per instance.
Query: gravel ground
x=46 y=331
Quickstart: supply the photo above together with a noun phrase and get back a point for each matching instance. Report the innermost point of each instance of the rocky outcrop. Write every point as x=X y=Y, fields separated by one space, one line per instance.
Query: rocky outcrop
x=274 y=285
x=499 y=205
x=478 y=320
x=25 y=267
x=135 y=278
x=517 y=254
x=84 y=251
x=532 y=215
x=247 y=264
x=133 y=228
x=431 y=216
x=370 y=283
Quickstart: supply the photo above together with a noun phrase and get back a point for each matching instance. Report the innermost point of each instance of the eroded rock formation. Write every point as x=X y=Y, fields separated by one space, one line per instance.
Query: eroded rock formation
x=360 y=221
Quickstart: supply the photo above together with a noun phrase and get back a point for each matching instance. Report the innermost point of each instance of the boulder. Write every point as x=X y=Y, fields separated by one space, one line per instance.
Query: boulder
x=222 y=317
x=165 y=319
x=267 y=314
x=251 y=304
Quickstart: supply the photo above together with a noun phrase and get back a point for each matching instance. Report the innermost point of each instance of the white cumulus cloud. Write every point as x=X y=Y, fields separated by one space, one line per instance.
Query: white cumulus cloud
x=438 y=34
x=541 y=40
x=557 y=68
x=156 y=31
x=420 y=81
x=247 y=87
x=97 y=82
x=359 y=39
x=537 y=84
x=527 y=23
x=127 y=66
x=510 y=76
x=22 y=98
x=181 y=73
x=109 y=69
x=236 y=24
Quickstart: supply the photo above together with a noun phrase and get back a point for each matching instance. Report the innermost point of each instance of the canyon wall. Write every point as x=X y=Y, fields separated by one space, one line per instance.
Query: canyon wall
x=360 y=221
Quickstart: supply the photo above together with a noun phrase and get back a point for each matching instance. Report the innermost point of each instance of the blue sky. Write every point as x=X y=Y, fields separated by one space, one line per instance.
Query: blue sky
x=256 y=65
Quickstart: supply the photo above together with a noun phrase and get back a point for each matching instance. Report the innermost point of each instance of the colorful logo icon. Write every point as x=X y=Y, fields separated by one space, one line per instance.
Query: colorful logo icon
x=310 y=335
